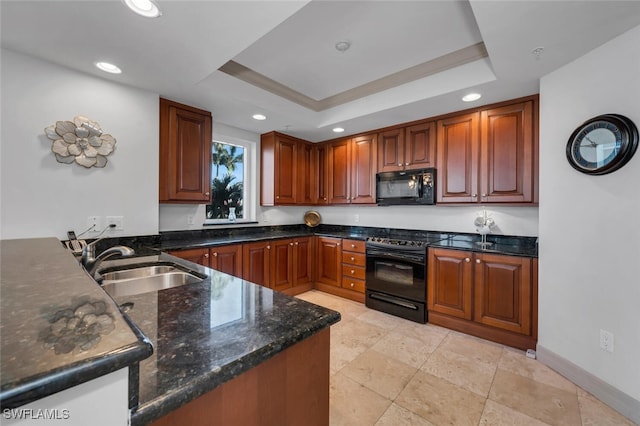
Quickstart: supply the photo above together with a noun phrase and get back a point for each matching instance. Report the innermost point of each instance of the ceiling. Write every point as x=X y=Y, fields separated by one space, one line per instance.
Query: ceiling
x=407 y=59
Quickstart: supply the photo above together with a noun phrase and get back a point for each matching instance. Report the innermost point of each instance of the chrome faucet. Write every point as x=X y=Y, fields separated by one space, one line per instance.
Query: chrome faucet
x=91 y=262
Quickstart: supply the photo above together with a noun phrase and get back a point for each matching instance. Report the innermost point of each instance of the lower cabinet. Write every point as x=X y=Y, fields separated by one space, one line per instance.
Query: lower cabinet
x=488 y=295
x=341 y=267
x=227 y=259
x=283 y=265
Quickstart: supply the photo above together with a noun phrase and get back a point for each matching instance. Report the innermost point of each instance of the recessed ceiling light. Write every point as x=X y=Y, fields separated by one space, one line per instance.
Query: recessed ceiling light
x=259 y=117
x=338 y=129
x=146 y=8
x=471 y=97
x=107 y=67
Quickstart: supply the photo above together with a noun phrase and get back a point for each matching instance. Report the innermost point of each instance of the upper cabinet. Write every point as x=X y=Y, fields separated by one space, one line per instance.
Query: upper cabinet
x=407 y=148
x=185 y=154
x=351 y=170
x=489 y=156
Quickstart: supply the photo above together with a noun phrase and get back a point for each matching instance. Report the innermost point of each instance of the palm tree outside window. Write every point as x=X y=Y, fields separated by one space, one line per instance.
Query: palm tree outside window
x=227 y=185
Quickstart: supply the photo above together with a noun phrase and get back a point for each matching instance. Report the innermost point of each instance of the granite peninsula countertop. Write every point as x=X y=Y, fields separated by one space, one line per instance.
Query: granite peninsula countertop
x=207 y=333
x=58 y=327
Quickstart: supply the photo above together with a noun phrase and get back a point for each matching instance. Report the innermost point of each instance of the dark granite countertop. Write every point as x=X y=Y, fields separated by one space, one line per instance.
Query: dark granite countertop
x=500 y=244
x=58 y=327
x=207 y=333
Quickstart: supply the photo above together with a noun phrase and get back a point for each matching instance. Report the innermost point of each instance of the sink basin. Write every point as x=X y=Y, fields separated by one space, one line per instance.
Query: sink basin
x=134 y=279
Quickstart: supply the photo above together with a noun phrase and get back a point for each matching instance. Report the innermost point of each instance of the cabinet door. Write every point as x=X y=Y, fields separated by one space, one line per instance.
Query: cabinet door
x=363 y=170
x=503 y=294
x=302 y=261
x=321 y=157
x=458 y=159
x=391 y=150
x=199 y=256
x=420 y=146
x=306 y=175
x=507 y=154
x=227 y=259
x=329 y=261
x=286 y=170
x=185 y=153
x=281 y=264
x=257 y=262
x=339 y=163
x=449 y=282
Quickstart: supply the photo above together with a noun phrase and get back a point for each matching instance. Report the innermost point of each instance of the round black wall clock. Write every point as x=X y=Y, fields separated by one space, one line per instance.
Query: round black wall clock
x=602 y=144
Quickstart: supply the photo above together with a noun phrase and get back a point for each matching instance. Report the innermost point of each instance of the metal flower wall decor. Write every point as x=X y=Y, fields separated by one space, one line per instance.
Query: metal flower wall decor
x=81 y=141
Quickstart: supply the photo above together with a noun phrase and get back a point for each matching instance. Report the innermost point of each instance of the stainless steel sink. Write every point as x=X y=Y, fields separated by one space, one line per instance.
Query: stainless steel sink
x=134 y=279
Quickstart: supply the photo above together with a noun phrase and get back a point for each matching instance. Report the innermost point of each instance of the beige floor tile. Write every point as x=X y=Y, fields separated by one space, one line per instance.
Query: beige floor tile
x=350 y=338
x=430 y=335
x=352 y=404
x=382 y=320
x=596 y=413
x=471 y=374
x=538 y=400
x=472 y=347
x=409 y=350
x=379 y=373
x=516 y=362
x=398 y=416
x=441 y=402
x=495 y=414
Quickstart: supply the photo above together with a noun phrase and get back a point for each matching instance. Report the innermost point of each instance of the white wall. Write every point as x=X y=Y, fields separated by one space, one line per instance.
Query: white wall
x=590 y=225
x=41 y=197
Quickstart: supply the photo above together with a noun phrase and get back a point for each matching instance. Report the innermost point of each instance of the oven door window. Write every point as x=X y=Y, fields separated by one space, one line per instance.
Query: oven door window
x=394 y=273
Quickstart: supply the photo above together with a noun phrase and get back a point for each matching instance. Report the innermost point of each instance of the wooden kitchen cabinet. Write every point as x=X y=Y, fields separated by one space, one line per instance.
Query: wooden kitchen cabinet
x=283 y=265
x=185 y=154
x=407 y=148
x=489 y=156
x=341 y=267
x=351 y=170
x=487 y=295
x=227 y=259
x=329 y=258
x=199 y=256
x=354 y=266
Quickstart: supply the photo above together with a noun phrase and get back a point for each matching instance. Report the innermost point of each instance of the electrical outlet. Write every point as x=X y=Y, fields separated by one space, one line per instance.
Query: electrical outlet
x=356 y=218
x=94 y=224
x=116 y=220
x=190 y=219
x=606 y=340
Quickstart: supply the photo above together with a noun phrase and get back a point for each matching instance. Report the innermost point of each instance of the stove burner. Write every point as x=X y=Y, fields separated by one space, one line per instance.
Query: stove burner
x=392 y=242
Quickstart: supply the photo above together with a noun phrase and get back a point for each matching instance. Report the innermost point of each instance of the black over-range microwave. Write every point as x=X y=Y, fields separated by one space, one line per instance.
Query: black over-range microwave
x=406 y=187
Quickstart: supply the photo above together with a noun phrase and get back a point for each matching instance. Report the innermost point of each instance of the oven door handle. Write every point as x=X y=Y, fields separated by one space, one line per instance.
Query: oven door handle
x=393 y=300
x=420 y=260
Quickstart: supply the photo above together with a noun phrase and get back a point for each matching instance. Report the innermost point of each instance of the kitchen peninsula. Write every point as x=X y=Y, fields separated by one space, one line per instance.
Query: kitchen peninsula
x=212 y=341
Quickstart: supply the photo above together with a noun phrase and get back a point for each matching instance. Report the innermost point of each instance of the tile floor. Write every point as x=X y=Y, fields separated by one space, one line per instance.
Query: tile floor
x=387 y=371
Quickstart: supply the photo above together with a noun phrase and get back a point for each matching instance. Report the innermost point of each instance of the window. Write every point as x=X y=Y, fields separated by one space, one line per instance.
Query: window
x=228 y=182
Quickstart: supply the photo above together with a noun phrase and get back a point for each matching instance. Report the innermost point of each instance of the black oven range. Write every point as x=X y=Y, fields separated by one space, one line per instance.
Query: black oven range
x=396 y=280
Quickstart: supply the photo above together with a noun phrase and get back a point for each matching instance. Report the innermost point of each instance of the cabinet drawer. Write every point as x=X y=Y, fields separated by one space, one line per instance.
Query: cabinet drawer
x=353 y=284
x=358 y=259
x=354 y=245
x=349 y=271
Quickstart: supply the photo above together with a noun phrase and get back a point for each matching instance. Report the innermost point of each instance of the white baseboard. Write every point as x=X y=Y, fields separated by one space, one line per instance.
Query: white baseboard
x=615 y=398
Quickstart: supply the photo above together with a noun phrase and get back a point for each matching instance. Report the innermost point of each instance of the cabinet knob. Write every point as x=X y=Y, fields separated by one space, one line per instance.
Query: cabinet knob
x=268 y=247
x=206 y=193
x=353 y=285
x=215 y=254
x=206 y=255
x=353 y=246
x=277 y=197
x=353 y=272
x=406 y=164
x=291 y=244
x=399 y=164
x=353 y=258
x=338 y=244
x=297 y=243
x=474 y=195
x=478 y=261
x=325 y=198
x=466 y=259
x=484 y=195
